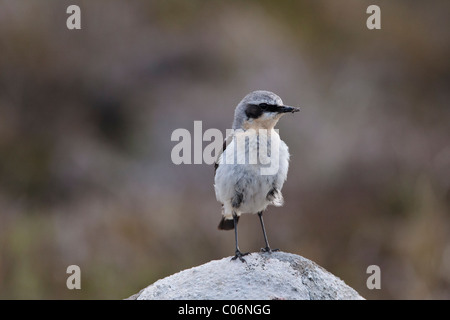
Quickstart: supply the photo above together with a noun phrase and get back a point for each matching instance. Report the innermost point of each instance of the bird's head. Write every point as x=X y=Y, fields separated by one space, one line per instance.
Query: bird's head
x=260 y=110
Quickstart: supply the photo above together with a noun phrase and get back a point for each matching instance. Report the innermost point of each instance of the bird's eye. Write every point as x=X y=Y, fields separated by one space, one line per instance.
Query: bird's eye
x=263 y=106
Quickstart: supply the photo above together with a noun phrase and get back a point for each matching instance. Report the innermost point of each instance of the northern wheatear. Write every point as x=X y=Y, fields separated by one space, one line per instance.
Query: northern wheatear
x=246 y=180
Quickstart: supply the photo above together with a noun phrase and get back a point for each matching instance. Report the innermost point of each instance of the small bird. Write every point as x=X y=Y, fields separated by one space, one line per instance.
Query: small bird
x=243 y=186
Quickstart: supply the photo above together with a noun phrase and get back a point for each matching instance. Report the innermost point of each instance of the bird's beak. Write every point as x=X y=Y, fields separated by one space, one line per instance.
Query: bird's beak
x=286 y=109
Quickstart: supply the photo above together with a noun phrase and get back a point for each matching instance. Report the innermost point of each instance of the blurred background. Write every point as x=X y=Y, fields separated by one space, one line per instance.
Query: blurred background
x=86 y=118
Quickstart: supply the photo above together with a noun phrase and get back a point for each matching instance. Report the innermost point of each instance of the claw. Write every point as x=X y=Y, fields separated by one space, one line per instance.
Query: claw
x=269 y=250
x=240 y=255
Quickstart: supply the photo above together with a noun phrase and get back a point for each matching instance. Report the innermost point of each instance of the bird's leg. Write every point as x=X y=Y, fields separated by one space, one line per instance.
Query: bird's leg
x=238 y=253
x=267 y=248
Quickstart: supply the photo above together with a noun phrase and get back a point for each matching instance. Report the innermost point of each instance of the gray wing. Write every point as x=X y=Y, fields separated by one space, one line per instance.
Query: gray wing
x=226 y=142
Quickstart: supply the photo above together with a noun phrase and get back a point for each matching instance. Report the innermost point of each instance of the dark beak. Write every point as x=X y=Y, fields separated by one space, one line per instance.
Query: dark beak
x=286 y=109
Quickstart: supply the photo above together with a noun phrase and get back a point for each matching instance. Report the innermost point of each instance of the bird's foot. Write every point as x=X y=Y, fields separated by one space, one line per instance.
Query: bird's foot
x=269 y=250
x=239 y=255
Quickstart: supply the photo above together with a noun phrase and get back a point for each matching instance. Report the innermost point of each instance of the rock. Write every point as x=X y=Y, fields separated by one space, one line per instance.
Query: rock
x=279 y=275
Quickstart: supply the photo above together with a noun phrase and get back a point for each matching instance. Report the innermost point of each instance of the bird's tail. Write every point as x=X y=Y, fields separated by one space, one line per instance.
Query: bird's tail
x=227 y=224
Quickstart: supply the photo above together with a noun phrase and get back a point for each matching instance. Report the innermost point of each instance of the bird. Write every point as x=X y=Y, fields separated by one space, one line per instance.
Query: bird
x=243 y=187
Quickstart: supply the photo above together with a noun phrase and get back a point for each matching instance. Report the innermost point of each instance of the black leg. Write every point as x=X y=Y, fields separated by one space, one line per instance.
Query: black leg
x=238 y=253
x=267 y=248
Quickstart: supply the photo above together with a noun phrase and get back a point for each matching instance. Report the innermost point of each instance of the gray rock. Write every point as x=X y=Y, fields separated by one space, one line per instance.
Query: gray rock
x=263 y=276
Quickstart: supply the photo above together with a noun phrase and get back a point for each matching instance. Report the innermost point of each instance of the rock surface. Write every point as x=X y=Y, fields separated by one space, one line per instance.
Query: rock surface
x=263 y=276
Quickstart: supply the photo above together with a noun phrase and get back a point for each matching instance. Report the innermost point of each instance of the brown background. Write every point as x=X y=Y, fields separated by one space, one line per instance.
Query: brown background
x=86 y=118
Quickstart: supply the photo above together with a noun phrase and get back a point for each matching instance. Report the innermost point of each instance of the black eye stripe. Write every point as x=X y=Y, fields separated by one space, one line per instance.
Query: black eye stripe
x=256 y=110
x=268 y=107
x=253 y=111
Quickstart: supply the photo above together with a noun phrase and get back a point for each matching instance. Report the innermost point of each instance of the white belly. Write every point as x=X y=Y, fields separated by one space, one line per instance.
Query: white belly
x=249 y=179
